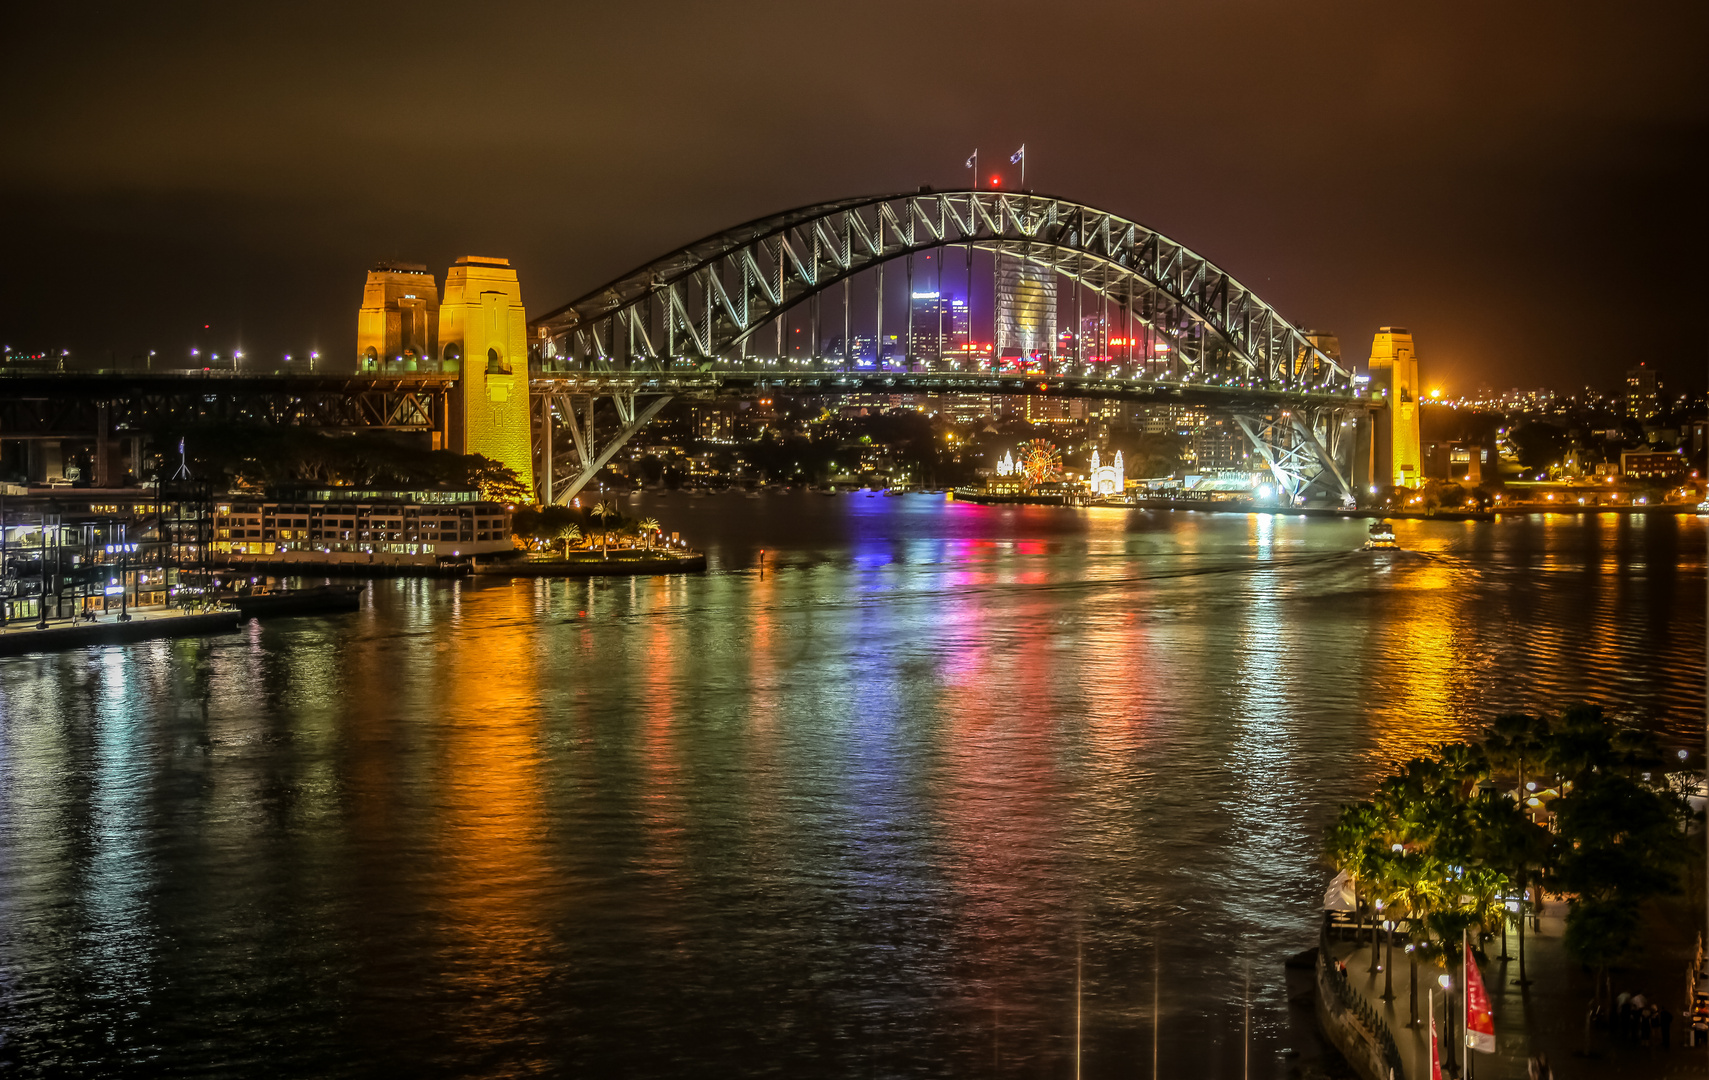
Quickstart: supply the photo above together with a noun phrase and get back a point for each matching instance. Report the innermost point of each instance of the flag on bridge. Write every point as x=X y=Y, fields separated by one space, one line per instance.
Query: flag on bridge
x=1019 y=155
x=1480 y=1024
x=971 y=158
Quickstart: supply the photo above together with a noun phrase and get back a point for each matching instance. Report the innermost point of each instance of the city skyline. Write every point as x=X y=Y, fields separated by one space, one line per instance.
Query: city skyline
x=1446 y=185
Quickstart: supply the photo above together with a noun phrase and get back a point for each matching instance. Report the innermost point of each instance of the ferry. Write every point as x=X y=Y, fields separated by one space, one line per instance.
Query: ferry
x=1381 y=538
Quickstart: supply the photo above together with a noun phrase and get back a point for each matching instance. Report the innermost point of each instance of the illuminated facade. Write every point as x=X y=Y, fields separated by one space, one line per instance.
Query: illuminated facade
x=931 y=310
x=398 y=323
x=1643 y=401
x=1026 y=309
x=1108 y=479
x=483 y=328
x=1398 y=446
x=353 y=526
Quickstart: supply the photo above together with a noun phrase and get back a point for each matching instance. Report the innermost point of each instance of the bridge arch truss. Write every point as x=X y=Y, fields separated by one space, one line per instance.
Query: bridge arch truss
x=705 y=302
x=695 y=320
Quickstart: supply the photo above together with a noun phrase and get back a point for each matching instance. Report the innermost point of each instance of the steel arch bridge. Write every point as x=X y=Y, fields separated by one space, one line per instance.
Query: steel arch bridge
x=695 y=321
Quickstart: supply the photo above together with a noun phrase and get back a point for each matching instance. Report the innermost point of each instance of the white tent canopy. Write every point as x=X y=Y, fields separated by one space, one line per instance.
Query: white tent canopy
x=1339 y=895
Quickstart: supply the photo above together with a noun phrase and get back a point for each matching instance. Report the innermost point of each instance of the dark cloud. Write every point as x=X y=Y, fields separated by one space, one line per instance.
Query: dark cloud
x=1519 y=183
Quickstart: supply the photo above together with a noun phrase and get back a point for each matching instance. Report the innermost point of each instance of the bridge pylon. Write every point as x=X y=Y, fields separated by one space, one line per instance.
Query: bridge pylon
x=483 y=328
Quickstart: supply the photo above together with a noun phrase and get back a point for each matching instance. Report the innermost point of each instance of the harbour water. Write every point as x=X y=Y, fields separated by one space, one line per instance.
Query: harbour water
x=857 y=817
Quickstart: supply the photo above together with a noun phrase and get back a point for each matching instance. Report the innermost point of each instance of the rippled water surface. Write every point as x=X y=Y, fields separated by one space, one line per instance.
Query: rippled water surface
x=860 y=817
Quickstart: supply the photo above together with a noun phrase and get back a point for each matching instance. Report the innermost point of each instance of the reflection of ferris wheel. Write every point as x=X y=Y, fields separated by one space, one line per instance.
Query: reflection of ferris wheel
x=1039 y=460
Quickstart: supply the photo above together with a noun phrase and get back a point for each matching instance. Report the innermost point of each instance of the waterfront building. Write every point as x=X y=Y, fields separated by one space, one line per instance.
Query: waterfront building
x=349 y=525
x=1025 y=317
x=1397 y=446
x=1665 y=465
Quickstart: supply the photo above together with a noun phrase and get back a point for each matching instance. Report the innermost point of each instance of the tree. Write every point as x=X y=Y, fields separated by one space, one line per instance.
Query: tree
x=1414 y=885
x=1620 y=843
x=649 y=528
x=1347 y=847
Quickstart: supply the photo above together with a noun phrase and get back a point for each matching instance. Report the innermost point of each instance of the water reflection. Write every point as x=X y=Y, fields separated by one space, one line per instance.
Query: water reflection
x=856 y=817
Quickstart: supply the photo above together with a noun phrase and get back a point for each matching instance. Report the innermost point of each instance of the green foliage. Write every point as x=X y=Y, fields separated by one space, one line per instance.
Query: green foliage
x=1443 y=841
x=1538 y=445
x=265 y=456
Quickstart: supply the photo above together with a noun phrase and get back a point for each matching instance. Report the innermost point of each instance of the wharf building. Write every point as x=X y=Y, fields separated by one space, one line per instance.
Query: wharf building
x=341 y=525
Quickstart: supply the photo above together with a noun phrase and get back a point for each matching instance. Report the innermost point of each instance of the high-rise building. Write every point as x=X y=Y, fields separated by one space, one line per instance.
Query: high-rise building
x=1219 y=445
x=1025 y=318
x=932 y=310
x=398 y=322
x=1397 y=445
x=1643 y=401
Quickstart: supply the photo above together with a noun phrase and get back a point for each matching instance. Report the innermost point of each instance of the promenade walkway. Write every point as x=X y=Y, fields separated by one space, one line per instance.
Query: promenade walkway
x=1548 y=1015
x=22 y=636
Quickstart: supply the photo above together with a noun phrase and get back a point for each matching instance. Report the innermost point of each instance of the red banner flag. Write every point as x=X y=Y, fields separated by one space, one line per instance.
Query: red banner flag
x=1435 y=1051
x=1480 y=1025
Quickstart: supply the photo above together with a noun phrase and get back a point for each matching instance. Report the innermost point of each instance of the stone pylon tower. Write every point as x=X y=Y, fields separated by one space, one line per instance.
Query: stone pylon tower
x=483 y=329
x=1398 y=442
x=397 y=327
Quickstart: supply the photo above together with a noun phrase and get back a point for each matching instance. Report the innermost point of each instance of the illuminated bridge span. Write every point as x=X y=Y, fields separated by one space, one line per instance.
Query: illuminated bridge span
x=1168 y=325
x=1154 y=322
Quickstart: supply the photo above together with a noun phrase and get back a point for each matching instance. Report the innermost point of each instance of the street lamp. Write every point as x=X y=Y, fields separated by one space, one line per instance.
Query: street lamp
x=1446 y=981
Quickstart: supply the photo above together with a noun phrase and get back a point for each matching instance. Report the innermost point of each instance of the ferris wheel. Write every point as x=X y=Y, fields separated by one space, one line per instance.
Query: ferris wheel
x=1039 y=460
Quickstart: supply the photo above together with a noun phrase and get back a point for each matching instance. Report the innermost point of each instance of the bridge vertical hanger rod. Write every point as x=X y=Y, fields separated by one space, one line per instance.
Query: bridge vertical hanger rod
x=878 y=335
x=848 y=347
x=972 y=353
x=940 y=288
x=1079 y=312
x=908 y=346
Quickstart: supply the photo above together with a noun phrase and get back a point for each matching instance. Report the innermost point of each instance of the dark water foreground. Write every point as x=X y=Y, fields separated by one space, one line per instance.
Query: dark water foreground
x=856 y=819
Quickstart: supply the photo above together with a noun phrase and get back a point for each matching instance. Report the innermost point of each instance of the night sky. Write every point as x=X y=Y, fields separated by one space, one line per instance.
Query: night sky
x=1520 y=184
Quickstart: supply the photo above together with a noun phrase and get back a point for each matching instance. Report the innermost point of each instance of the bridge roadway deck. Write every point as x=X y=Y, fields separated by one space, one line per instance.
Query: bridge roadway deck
x=113 y=384
x=897 y=381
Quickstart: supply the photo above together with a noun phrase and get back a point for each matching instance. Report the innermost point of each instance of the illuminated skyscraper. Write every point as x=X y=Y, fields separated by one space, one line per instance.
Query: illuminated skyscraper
x=929 y=307
x=1026 y=308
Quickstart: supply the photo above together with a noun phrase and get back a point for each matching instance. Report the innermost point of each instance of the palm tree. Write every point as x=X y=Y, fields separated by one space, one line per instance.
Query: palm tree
x=648 y=527
x=569 y=534
x=1414 y=884
x=604 y=511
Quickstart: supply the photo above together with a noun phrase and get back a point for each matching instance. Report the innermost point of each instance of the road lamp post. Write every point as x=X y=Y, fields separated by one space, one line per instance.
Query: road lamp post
x=1447 y=983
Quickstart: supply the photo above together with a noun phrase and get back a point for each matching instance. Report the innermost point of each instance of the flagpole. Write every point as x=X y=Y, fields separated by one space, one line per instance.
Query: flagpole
x=1465 y=1009
x=1429 y=1038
